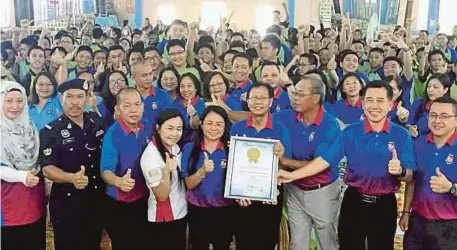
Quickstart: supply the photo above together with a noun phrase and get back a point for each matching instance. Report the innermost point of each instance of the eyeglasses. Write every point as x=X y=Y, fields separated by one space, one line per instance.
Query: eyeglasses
x=155 y=58
x=118 y=82
x=442 y=117
x=176 y=53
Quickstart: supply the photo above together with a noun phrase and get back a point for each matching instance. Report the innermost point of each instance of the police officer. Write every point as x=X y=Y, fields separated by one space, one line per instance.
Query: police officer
x=379 y=155
x=70 y=157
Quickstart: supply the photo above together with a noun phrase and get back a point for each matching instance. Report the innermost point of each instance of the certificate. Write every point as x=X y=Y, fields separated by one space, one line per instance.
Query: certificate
x=251 y=170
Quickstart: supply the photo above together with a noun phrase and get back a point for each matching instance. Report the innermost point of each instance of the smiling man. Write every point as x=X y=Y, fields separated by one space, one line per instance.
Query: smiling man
x=379 y=155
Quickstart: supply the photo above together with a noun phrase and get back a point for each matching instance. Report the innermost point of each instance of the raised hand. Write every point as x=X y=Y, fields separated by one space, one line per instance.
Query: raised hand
x=208 y=164
x=439 y=183
x=171 y=162
x=394 y=164
x=190 y=108
x=31 y=180
x=126 y=183
x=80 y=180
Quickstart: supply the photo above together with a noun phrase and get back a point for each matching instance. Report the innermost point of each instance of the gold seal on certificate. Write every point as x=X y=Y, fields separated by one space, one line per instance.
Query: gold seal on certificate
x=251 y=169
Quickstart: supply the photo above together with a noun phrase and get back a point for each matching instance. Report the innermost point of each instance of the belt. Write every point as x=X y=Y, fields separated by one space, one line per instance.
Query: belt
x=369 y=198
x=311 y=188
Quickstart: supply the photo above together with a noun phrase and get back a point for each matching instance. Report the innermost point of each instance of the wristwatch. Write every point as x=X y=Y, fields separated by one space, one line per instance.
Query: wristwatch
x=453 y=189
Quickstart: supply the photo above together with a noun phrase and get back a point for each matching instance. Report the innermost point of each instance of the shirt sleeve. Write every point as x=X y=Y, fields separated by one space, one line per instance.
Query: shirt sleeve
x=406 y=154
x=12 y=175
x=152 y=164
x=335 y=153
x=186 y=153
x=285 y=141
x=48 y=147
x=110 y=155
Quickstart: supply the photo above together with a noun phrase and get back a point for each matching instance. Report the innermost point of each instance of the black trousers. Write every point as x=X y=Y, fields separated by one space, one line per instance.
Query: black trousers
x=211 y=225
x=167 y=235
x=426 y=234
x=83 y=231
x=361 y=221
x=28 y=237
x=126 y=223
x=257 y=226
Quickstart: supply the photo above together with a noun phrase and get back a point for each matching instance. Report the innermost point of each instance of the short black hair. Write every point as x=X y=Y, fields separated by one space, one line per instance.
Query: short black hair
x=85 y=48
x=29 y=41
x=149 y=49
x=208 y=46
x=66 y=34
x=261 y=85
x=447 y=100
x=97 y=33
x=379 y=84
x=426 y=32
x=238 y=34
x=360 y=42
x=242 y=55
x=115 y=47
x=176 y=42
x=252 y=53
x=34 y=48
x=436 y=52
x=60 y=48
x=312 y=59
x=268 y=63
x=393 y=58
x=347 y=52
x=273 y=40
x=206 y=40
x=376 y=50
x=236 y=44
x=136 y=32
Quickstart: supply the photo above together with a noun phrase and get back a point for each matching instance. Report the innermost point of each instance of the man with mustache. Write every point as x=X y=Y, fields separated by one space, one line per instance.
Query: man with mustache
x=70 y=158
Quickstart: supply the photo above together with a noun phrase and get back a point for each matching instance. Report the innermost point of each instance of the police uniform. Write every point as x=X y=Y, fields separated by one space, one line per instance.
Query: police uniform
x=75 y=214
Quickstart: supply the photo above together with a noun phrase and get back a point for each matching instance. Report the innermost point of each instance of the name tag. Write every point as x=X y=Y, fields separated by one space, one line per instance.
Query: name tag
x=68 y=141
x=99 y=133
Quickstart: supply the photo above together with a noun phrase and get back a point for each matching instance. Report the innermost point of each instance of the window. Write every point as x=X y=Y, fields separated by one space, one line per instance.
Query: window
x=447 y=15
x=166 y=13
x=5 y=11
x=211 y=14
x=422 y=15
x=263 y=18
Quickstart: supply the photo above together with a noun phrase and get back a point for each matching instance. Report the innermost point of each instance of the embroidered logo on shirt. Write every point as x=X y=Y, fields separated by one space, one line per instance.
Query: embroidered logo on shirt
x=65 y=133
x=224 y=163
x=47 y=151
x=450 y=159
x=391 y=146
x=99 y=133
x=243 y=97
x=154 y=105
x=311 y=136
x=69 y=126
x=278 y=108
x=362 y=116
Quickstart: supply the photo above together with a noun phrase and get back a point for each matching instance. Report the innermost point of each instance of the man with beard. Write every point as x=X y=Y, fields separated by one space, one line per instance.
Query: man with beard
x=70 y=158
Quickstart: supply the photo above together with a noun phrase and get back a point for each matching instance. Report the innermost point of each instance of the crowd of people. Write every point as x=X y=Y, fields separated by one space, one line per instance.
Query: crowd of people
x=132 y=128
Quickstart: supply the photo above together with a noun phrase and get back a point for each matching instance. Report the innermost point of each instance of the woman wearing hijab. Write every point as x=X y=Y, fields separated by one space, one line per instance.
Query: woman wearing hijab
x=23 y=218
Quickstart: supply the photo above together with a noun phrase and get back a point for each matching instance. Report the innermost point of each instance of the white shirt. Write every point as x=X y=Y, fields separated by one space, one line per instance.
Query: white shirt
x=152 y=166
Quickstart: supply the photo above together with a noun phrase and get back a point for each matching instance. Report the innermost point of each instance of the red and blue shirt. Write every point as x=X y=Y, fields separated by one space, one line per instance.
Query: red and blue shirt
x=427 y=203
x=210 y=191
x=368 y=154
x=233 y=103
x=240 y=92
x=281 y=101
x=311 y=141
x=157 y=101
x=274 y=129
x=345 y=112
x=122 y=150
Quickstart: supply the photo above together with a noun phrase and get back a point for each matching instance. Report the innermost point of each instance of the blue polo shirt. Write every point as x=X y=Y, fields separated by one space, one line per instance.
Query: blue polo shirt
x=427 y=203
x=122 y=150
x=393 y=113
x=103 y=111
x=73 y=72
x=274 y=129
x=281 y=101
x=368 y=154
x=311 y=141
x=51 y=110
x=240 y=92
x=232 y=103
x=157 y=101
x=348 y=114
x=422 y=120
x=210 y=191
x=199 y=106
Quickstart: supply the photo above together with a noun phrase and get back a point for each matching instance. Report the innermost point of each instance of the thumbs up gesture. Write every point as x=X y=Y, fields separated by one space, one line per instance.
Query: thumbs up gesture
x=190 y=108
x=80 y=180
x=413 y=131
x=208 y=164
x=31 y=179
x=171 y=162
x=204 y=66
x=57 y=58
x=439 y=183
x=332 y=65
x=394 y=164
x=126 y=183
x=402 y=113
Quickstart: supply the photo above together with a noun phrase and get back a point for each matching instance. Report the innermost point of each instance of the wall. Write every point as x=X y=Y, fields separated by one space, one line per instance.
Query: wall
x=244 y=10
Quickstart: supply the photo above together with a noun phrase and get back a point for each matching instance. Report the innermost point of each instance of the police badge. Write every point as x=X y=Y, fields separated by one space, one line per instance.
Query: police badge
x=65 y=133
x=47 y=151
x=85 y=85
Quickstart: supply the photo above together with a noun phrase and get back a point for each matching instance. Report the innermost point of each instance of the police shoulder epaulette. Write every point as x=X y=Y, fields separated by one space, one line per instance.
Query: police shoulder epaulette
x=47 y=126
